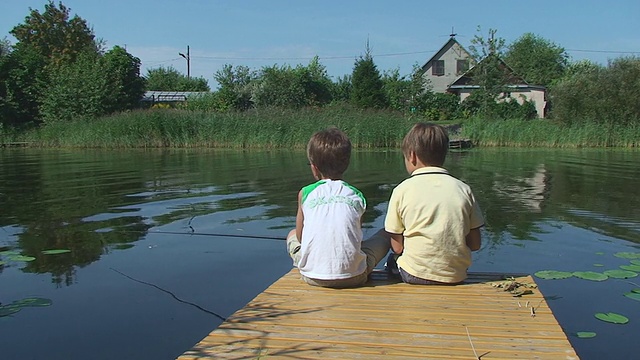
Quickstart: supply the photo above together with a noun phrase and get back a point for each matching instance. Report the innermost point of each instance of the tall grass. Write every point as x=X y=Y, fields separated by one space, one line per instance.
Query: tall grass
x=547 y=133
x=288 y=128
x=265 y=128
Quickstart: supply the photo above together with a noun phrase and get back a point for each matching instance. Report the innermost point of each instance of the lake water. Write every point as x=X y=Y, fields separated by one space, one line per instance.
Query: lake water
x=151 y=269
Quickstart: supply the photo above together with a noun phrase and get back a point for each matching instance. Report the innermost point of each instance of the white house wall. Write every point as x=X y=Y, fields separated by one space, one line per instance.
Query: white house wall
x=452 y=53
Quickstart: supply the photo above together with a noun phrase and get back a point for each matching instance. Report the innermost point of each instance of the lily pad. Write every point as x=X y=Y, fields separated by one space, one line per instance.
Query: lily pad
x=9 y=252
x=599 y=253
x=590 y=275
x=636 y=291
x=8 y=310
x=627 y=255
x=34 y=302
x=21 y=258
x=635 y=262
x=598 y=265
x=620 y=274
x=55 y=251
x=585 y=334
x=553 y=274
x=2 y=262
x=635 y=268
x=633 y=295
x=612 y=318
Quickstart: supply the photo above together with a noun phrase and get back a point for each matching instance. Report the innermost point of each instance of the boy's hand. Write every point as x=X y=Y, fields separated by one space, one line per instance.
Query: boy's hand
x=474 y=239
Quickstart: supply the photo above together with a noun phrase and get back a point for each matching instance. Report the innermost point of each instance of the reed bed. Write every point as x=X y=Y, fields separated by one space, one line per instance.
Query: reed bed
x=547 y=133
x=266 y=128
x=289 y=128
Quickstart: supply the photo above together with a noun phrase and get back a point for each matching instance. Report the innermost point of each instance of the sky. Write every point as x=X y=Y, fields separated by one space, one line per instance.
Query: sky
x=401 y=33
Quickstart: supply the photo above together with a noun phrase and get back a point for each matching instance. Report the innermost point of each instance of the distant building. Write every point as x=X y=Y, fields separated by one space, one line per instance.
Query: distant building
x=154 y=97
x=517 y=88
x=446 y=66
x=451 y=70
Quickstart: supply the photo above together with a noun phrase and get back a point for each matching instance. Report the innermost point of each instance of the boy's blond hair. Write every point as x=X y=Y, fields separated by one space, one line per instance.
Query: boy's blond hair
x=429 y=142
x=329 y=151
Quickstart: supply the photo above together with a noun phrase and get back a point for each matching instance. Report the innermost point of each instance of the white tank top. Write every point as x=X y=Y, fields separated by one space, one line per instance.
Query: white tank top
x=332 y=232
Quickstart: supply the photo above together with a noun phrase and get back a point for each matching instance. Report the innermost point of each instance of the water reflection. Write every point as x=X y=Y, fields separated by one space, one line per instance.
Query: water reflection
x=92 y=202
x=554 y=209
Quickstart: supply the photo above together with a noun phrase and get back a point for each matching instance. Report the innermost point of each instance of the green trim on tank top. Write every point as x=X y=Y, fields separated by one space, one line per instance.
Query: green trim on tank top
x=309 y=188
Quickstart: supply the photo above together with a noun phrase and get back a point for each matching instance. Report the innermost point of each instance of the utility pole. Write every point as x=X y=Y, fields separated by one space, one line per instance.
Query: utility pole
x=188 y=58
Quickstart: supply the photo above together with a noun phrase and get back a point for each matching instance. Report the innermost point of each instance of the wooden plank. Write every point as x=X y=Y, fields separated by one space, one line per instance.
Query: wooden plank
x=389 y=320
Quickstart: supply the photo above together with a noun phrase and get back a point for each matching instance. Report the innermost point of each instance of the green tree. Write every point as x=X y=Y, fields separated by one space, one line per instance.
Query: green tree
x=54 y=34
x=22 y=77
x=93 y=85
x=279 y=86
x=284 y=86
x=591 y=93
x=5 y=47
x=45 y=41
x=125 y=84
x=341 y=88
x=581 y=67
x=236 y=85
x=169 y=79
x=317 y=83
x=538 y=60
x=367 y=88
x=397 y=90
x=76 y=89
x=490 y=73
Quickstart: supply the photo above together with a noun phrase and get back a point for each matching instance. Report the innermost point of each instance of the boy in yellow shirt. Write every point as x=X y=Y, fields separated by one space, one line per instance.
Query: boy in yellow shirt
x=433 y=218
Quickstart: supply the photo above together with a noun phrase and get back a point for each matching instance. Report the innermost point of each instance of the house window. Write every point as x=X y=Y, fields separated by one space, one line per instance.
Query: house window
x=437 y=68
x=462 y=66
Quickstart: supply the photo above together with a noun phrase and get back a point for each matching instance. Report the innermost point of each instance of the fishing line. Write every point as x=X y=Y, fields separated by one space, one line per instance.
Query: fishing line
x=170 y=293
x=217 y=235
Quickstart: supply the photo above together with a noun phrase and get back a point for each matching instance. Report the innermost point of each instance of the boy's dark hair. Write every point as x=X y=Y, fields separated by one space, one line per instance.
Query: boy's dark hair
x=330 y=151
x=429 y=142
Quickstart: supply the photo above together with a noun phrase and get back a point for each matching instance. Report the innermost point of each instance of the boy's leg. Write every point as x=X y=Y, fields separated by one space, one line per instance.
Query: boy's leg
x=293 y=247
x=376 y=248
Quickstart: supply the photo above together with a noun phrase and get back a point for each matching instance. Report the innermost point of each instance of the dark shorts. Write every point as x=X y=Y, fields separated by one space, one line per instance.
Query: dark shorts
x=410 y=279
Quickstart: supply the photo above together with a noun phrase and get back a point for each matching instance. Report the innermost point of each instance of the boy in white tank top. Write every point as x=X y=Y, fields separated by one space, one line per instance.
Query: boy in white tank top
x=326 y=244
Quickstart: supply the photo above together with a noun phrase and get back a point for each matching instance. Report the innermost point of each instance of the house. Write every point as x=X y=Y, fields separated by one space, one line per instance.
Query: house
x=446 y=66
x=517 y=87
x=450 y=70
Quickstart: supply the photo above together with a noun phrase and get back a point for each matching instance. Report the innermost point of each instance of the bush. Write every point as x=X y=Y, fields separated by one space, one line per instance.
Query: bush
x=599 y=94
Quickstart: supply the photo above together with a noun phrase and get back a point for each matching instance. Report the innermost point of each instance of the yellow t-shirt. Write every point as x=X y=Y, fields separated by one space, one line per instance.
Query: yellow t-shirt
x=435 y=212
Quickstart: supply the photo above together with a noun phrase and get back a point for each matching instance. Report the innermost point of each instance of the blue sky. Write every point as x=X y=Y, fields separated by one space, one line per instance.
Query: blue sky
x=401 y=33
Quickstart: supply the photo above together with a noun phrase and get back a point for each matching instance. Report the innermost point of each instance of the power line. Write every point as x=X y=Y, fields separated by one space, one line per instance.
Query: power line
x=158 y=62
x=604 y=51
x=309 y=58
x=340 y=57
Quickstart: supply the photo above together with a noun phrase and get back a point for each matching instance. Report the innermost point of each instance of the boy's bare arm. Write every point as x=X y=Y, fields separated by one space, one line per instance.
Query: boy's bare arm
x=299 y=218
x=474 y=239
x=397 y=243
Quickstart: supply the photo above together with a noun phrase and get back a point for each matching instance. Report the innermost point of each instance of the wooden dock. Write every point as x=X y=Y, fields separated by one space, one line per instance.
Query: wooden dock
x=460 y=144
x=389 y=320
